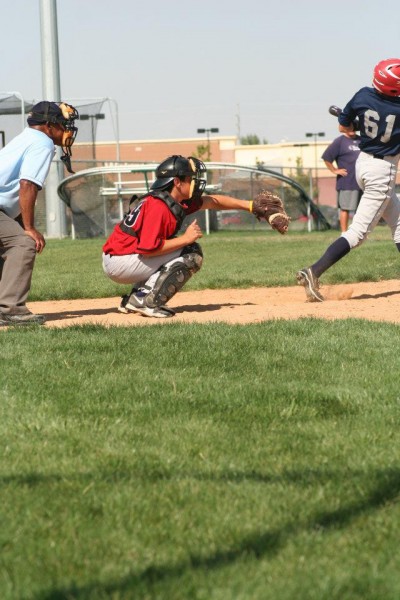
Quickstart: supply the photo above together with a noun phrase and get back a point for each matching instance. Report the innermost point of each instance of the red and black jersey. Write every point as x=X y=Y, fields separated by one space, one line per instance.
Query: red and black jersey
x=152 y=224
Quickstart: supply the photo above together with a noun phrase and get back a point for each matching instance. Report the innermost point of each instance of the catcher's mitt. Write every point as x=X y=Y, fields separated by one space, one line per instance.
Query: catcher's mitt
x=270 y=207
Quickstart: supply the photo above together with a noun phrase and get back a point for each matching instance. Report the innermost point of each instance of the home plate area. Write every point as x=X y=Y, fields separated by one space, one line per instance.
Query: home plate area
x=376 y=301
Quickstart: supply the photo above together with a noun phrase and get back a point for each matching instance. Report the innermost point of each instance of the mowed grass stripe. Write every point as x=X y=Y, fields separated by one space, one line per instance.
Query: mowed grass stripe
x=200 y=461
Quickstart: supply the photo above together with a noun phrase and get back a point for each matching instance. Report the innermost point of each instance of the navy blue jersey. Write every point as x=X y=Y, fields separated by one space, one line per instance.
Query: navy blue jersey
x=379 y=117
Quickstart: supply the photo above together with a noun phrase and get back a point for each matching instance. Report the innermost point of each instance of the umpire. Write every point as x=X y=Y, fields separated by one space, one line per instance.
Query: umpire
x=24 y=165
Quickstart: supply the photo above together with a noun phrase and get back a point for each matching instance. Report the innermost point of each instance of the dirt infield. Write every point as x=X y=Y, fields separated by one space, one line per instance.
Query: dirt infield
x=374 y=301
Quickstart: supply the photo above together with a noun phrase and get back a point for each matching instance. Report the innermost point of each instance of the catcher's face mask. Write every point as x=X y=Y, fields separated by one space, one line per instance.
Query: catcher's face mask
x=198 y=183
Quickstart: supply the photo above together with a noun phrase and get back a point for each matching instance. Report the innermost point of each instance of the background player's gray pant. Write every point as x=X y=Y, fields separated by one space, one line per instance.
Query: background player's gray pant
x=376 y=177
x=17 y=257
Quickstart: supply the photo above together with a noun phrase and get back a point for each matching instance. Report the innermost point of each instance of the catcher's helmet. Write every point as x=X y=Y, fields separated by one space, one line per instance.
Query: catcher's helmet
x=179 y=166
x=59 y=113
x=387 y=77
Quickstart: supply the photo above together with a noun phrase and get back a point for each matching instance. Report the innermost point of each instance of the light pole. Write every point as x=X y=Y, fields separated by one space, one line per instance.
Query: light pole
x=93 y=118
x=208 y=131
x=315 y=136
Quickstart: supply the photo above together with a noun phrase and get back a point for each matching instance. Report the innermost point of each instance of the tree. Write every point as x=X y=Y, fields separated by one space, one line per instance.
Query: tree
x=202 y=152
x=252 y=140
x=302 y=178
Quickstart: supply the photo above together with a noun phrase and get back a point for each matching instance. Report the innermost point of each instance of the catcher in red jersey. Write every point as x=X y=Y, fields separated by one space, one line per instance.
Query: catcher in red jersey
x=144 y=249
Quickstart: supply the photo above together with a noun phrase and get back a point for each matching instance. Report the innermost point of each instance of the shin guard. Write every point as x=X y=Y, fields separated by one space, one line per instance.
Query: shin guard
x=173 y=275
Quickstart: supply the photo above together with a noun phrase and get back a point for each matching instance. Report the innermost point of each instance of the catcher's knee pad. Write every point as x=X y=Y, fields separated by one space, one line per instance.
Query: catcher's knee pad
x=174 y=274
x=193 y=256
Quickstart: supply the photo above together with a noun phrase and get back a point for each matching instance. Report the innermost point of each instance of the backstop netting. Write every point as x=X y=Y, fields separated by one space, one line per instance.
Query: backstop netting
x=13 y=110
x=98 y=198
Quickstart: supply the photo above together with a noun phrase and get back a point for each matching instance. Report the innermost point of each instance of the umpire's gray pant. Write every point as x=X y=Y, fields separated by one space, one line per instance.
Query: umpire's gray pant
x=17 y=257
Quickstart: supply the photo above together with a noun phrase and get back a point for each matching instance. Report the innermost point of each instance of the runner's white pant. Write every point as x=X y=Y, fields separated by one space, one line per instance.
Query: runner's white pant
x=376 y=177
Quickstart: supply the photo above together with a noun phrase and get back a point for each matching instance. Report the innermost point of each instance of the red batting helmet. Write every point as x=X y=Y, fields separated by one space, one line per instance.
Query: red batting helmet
x=387 y=77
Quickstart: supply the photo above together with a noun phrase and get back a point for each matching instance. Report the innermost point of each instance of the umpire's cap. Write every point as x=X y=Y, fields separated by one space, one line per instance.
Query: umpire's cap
x=52 y=112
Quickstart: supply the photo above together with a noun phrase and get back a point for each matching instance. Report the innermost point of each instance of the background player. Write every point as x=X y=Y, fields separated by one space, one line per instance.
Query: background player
x=378 y=110
x=344 y=151
x=143 y=249
x=24 y=165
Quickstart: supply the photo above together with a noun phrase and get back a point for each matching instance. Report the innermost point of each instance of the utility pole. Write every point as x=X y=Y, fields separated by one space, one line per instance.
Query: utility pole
x=55 y=209
x=238 y=123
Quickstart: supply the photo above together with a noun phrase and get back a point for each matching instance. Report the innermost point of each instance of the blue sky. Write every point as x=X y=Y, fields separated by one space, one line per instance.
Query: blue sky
x=270 y=68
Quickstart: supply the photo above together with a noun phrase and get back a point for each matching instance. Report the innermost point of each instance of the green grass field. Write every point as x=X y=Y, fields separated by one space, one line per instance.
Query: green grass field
x=202 y=461
x=72 y=268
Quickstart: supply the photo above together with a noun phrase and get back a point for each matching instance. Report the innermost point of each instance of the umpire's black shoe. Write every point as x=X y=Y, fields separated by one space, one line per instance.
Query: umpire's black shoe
x=21 y=319
x=307 y=279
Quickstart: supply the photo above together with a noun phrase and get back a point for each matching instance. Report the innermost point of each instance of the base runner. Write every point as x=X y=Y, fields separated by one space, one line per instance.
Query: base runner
x=378 y=111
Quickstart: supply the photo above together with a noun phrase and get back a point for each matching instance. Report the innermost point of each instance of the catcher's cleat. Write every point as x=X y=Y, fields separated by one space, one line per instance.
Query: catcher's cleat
x=307 y=279
x=21 y=319
x=122 y=307
x=136 y=303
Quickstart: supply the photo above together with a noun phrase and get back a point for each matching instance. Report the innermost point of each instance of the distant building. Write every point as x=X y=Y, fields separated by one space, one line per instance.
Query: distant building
x=222 y=149
x=286 y=155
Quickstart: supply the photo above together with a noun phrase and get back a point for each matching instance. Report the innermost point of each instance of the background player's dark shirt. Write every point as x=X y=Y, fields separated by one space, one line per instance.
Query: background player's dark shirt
x=344 y=151
x=379 y=117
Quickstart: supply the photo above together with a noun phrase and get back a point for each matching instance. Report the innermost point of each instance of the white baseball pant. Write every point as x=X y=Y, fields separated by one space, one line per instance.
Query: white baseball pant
x=377 y=178
x=135 y=268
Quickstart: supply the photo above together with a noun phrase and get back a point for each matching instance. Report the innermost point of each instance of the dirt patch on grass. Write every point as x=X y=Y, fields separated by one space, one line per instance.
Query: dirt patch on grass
x=379 y=301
